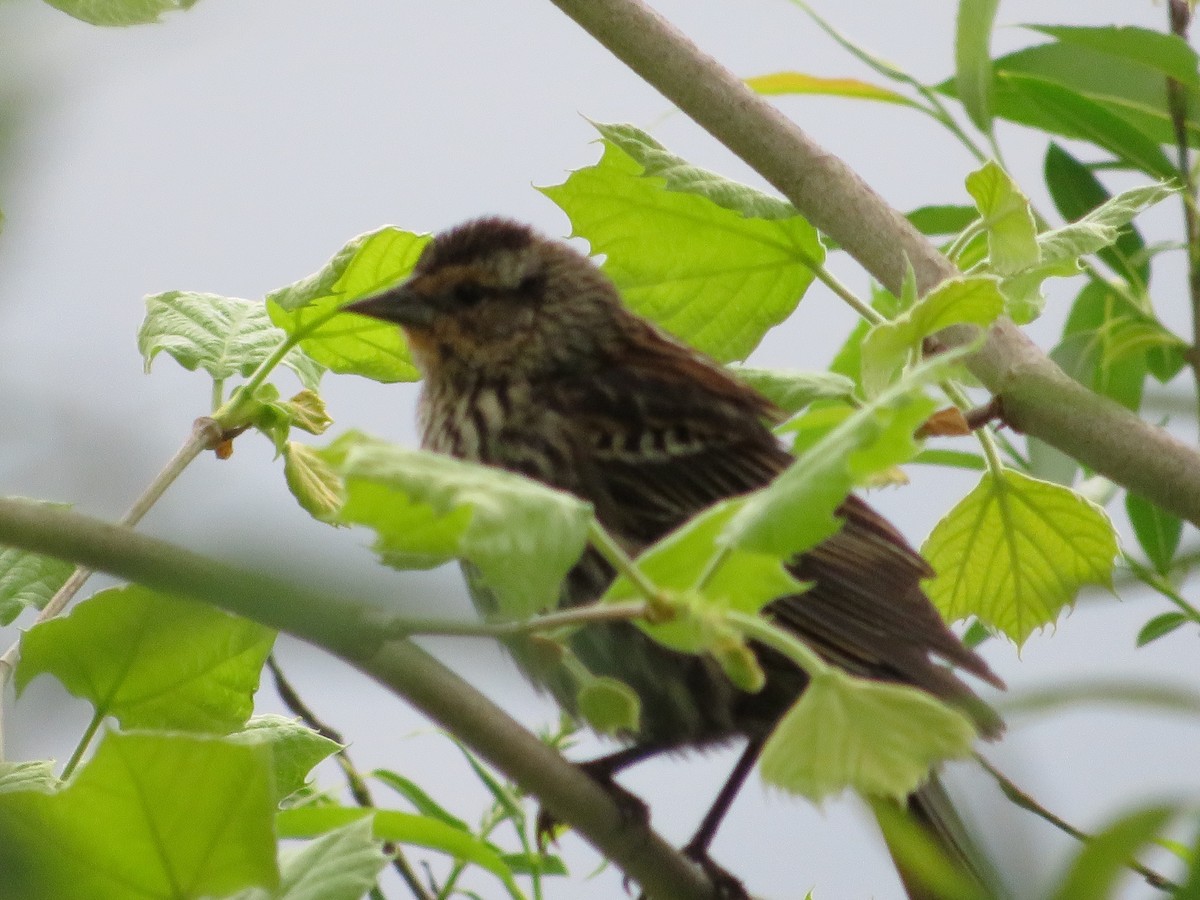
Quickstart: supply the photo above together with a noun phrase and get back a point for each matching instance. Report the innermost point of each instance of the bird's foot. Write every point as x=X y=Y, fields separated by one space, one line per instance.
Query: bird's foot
x=727 y=886
x=633 y=810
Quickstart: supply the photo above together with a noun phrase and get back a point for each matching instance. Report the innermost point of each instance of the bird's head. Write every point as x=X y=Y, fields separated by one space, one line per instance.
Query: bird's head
x=494 y=298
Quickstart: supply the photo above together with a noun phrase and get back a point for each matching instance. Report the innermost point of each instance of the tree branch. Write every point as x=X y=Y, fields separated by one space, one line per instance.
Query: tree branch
x=357 y=631
x=1037 y=397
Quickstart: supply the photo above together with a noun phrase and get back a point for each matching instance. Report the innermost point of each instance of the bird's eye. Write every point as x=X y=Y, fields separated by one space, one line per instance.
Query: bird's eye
x=468 y=293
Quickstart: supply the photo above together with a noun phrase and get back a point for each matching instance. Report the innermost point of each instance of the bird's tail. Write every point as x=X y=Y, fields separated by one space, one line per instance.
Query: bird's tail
x=934 y=852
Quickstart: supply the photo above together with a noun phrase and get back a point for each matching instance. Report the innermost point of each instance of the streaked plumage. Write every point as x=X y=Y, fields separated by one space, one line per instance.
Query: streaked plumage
x=533 y=364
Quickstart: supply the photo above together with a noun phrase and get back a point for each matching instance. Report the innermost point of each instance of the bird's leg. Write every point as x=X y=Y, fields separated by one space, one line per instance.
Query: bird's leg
x=603 y=771
x=696 y=849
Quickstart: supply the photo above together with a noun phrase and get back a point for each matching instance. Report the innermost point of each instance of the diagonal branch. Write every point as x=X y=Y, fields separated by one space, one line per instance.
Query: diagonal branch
x=1036 y=396
x=358 y=632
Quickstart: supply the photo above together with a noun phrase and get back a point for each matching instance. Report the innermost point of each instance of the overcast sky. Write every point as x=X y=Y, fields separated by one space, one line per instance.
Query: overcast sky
x=234 y=148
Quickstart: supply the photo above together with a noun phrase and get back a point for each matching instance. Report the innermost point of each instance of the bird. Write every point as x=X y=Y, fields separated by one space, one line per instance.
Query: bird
x=531 y=362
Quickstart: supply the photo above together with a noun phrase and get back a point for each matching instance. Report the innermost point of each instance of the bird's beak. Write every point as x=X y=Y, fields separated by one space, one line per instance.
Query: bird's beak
x=401 y=304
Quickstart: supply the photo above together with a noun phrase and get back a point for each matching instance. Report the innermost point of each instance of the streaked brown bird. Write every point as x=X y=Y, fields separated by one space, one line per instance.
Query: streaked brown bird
x=533 y=364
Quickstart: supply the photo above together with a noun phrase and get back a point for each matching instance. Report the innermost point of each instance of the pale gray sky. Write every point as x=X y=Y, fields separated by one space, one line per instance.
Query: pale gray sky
x=233 y=149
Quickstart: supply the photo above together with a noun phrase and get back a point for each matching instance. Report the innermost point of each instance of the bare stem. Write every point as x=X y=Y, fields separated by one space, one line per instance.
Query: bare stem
x=351 y=629
x=1039 y=398
x=205 y=433
x=1180 y=16
x=1019 y=798
x=354 y=780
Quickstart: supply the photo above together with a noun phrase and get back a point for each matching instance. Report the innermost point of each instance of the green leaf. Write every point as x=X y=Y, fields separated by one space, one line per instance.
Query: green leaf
x=1077 y=116
x=1108 y=345
x=681 y=176
x=745 y=581
x=1167 y=54
x=1133 y=93
x=888 y=346
x=1076 y=192
x=791 y=390
x=973 y=60
x=943 y=219
x=1102 y=226
x=1015 y=551
x=404 y=828
x=1157 y=531
x=152 y=661
x=314 y=483
x=421 y=801
x=610 y=706
x=1101 y=864
x=1160 y=626
x=225 y=336
x=119 y=12
x=1012 y=234
x=150 y=815
x=295 y=749
x=796 y=511
x=877 y=738
x=707 y=273
x=36 y=775
x=348 y=343
x=521 y=536
x=28 y=580
x=777 y=83
x=1059 y=250
x=340 y=865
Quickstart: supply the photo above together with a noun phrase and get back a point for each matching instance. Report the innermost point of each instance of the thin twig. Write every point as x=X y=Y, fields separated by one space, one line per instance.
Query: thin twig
x=1019 y=798
x=350 y=628
x=204 y=435
x=354 y=780
x=1180 y=16
x=589 y=614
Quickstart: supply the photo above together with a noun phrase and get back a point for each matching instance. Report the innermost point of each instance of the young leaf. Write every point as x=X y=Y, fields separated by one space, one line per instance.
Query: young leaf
x=609 y=706
x=119 y=12
x=28 y=580
x=1160 y=626
x=150 y=815
x=314 y=483
x=745 y=580
x=225 y=336
x=1101 y=864
x=887 y=347
x=710 y=275
x=973 y=61
x=340 y=865
x=1015 y=551
x=792 y=391
x=152 y=661
x=295 y=749
x=1012 y=234
x=796 y=511
x=777 y=83
x=1157 y=531
x=37 y=775
x=1102 y=226
x=876 y=738
x=681 y=176
x=520 y=536
x=1076 y=192
x=349 y=343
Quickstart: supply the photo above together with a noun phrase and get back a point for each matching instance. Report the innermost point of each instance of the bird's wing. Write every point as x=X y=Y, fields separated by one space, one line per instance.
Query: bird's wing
x=663 y=438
